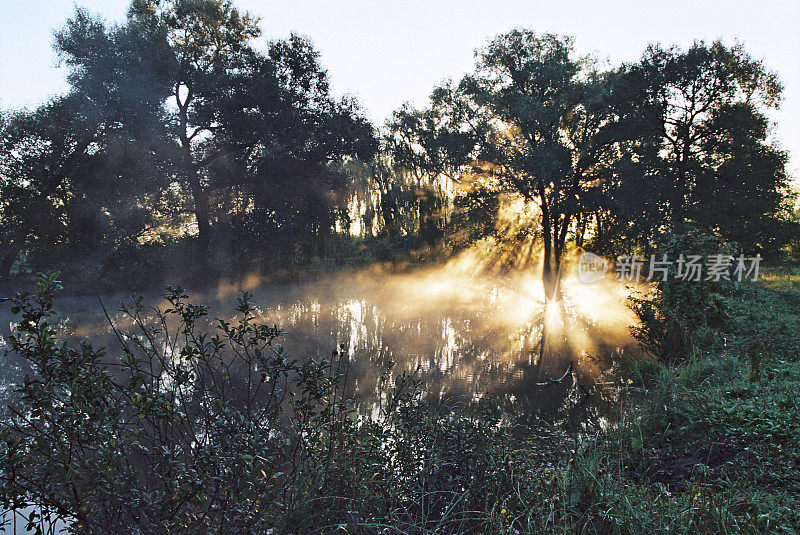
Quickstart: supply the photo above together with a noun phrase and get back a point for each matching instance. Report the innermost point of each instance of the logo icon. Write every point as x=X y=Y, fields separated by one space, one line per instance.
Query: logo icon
x=591 y=268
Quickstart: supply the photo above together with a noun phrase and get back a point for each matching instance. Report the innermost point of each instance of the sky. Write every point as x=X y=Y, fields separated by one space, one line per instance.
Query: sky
x=387 y=52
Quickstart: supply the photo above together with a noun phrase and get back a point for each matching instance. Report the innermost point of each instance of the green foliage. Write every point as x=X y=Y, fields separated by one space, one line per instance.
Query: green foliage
x=164 y=437
x=188 y=431
x=699 y=151
x=108 y=441
x=175 y=121
x=233 y=141
x=701 y=447
x=673 y=316
x=531 y=120
x=473 y=217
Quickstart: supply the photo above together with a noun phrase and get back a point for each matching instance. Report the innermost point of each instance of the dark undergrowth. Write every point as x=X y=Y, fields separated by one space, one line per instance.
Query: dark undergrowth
x=193 y=443
x=707 y=445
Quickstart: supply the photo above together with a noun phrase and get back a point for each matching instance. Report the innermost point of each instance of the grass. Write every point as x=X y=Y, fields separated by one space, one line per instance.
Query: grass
x=710 y=445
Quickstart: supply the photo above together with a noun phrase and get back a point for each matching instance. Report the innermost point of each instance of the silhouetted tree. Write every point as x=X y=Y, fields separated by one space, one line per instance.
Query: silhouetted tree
x=701 y=152
x=533 y=120
x=173 y=110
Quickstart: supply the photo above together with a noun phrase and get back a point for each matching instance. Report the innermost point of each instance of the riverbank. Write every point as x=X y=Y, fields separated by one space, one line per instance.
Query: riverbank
x=710 y=445
x=705 y=445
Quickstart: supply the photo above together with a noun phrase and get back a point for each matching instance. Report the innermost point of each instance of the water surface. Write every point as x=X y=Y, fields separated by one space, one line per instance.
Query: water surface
x=468 y=337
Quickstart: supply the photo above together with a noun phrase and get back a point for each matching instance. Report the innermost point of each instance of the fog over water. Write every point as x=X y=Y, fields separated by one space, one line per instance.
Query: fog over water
x=467 y=335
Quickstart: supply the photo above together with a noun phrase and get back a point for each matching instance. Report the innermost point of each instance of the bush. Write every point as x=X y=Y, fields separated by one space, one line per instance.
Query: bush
x=184 y=431
x=675 y=315
x=192 y=432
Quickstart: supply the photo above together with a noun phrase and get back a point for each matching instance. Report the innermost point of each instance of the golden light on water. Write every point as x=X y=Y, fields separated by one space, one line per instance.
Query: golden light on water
x=476 y=324
x=552 y=315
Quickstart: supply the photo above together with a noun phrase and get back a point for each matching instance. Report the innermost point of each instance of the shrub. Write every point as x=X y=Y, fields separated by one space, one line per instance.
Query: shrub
x=673 y=316
x=192 y=432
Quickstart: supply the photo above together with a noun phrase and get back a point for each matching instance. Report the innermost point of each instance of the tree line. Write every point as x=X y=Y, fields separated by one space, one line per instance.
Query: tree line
x=181 y=140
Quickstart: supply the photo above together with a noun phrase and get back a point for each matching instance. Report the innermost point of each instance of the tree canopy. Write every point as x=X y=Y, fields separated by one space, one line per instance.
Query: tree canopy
x=617 y=156
x=179 y=128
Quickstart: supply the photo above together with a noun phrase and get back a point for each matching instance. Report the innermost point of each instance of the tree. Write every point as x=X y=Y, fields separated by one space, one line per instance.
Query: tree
x=87 y=170
x=180 y=100
x=425 y=147
x=262 y=125
x=702 y=153
x=75 y=175
x=533 y=119
x=295 y=140
x=204 y=41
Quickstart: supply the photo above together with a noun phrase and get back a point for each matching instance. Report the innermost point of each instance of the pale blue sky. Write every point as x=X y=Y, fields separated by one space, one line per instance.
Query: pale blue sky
x=387 y=52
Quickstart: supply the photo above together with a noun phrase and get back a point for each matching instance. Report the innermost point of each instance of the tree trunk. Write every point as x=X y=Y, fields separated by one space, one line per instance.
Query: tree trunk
x=549 y=276
x=554 y=236
x=201 y=214
x=7 y=258
x=322 y=239
x=549 y=273
x=199 y=195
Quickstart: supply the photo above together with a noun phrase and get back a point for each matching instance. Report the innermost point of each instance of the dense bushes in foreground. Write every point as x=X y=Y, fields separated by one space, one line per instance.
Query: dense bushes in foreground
x=185 y=431
x=188 y=431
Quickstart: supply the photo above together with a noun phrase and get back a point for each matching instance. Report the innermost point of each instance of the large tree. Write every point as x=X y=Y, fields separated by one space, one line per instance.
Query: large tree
x=701 y=153
x=204 y=42
x=533 y=119
x=290 y=136
x=620 y=157
x=85 y=171
x=177 y=98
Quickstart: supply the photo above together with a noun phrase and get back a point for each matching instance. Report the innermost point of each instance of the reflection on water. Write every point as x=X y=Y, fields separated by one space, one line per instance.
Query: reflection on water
x=469 y=336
